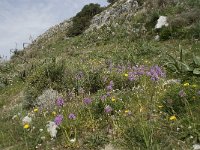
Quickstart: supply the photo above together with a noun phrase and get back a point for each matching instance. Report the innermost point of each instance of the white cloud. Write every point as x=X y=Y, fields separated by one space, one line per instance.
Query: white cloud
x=21 y=18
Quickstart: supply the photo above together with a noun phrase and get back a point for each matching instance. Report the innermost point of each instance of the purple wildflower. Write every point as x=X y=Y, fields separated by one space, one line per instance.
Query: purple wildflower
x=58 y=119
x=103 y=98
x=72 y=116
x=131 y=76
x=155 y=73
x=111 y=83
x=60 y=102
x=110 y=86
x=182 y=93
x=139 y=70
x=108 y=109
x=87 y=101
x=108 y=94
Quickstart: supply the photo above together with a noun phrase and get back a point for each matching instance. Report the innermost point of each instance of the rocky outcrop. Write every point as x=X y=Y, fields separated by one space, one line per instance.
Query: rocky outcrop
x=115 y=11
x=162 y=21
x=112 y=13
x=60 y=28
x=54 y=32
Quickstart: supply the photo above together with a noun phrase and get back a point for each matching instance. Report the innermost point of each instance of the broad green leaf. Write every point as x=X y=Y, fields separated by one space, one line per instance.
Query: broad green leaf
x=184 y=67
x=196 y=71
x=196 y=60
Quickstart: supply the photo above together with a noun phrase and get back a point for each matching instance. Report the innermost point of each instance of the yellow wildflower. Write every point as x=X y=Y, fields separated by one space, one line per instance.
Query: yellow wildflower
x=35 y=110
x=194 y=85
x=160 y=106
x=113 y=99
x=186 y=84
x=126 y=111
x=54 y=113
x=172 y=118
x=126 y=75
x=26 y=126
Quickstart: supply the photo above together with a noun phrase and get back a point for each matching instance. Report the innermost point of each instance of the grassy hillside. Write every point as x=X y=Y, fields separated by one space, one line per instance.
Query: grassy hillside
x=114 y=85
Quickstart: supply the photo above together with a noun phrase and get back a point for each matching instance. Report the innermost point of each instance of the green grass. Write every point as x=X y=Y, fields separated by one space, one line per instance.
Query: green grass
x=10 y=93
x=141 y=109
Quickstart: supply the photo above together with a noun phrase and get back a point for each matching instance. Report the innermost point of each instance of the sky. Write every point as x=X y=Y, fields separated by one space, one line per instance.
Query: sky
x=20 y=19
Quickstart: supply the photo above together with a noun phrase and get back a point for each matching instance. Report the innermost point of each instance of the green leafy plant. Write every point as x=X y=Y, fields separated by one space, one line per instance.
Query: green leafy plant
x=179 y=66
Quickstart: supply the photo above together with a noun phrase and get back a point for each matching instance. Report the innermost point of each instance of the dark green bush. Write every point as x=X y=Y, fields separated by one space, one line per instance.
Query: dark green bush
x=82 y=20
x=36 y=83
x=112 y=1
x=51 y=75
x=151 y=19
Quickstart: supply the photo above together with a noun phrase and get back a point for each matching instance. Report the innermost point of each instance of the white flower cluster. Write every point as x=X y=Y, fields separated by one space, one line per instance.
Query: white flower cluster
x=26 y=120
x=47 y=99
x=52 y=129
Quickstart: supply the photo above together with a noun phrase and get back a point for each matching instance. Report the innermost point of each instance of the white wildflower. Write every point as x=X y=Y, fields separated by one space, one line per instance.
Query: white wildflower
x=52 y=129
x=196 y=147
x=72 y=140
x=162 y=21
x=41 y=130
x=26 y=120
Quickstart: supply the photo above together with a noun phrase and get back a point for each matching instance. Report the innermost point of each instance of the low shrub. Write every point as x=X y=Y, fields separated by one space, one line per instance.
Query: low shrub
x=179 y=98
x=48 y=76
x=82 y=19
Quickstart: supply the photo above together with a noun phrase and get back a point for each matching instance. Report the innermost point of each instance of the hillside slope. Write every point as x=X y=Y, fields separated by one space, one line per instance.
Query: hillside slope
x=121 y=83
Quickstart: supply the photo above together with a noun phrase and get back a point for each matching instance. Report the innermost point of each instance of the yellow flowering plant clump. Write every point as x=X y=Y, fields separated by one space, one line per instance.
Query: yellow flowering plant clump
x=173 y=118
x=26 y=126
x=113 y=99
x=126 y=111
x=35 y=109
x=126 y=74
x=186 y=84
x=53 y=113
